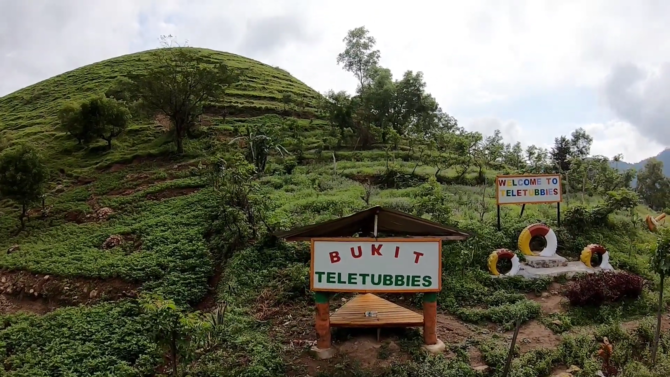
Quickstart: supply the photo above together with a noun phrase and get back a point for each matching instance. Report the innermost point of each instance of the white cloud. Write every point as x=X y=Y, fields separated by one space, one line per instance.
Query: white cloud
x=614 y=137
x=471 y=52
x=509 y=130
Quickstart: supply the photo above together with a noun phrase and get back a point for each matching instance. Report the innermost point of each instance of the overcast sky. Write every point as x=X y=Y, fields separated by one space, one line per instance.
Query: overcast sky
x=535 y=69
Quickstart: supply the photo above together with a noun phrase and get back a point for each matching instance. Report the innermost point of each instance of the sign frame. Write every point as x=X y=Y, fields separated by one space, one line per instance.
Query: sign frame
x=560 y=186
x=377 y=240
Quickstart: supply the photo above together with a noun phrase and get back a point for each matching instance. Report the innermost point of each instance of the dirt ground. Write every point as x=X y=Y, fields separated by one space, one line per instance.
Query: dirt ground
x=21 y=291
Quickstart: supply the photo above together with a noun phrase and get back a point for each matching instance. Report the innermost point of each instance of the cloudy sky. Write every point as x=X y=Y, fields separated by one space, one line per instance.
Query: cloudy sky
x=535 y=69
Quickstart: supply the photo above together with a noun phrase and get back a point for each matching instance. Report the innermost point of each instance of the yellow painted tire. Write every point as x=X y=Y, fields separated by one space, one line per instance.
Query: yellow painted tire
x=503 y=254
x=592 y=249
x=536 y=230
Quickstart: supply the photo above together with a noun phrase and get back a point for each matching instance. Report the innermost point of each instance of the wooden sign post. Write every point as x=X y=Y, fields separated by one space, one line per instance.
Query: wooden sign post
x=369 y=265
x=529 y=189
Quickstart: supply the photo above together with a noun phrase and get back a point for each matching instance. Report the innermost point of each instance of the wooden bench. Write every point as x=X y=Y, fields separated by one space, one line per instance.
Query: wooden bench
x=388 y=314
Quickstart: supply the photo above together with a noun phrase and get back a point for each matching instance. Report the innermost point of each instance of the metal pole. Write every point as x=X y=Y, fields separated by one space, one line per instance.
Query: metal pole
x=375 y=225
x=558 y=214
x=498 y=216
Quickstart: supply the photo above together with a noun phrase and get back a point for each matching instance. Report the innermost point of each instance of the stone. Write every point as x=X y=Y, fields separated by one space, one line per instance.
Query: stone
x=436 y=348
x=545 y=295
x=484 y=369
x=13 y=249
x=59 y=189
x=323 y=354
x=93 y=294
x=569 y=271
x=112 y=242
x=104 y=213
x=574 y=369
x=557 y=323
x=546 y=262
x=47 y=277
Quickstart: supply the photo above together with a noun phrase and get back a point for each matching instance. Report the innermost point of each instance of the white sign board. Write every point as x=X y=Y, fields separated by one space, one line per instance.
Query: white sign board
x=376 y=265
x=528 y=189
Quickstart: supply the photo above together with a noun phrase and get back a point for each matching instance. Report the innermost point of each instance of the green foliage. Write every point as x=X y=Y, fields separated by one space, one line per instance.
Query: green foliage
x=622 y=200
x=653 y=185
x=260 y=140
x=173 y=330
x=179 y=85
x=660 y=261
x=23 y=176
x=108 y=339
x=241 y=206
x=98 y=117
x=505 y=315
x=432 y=200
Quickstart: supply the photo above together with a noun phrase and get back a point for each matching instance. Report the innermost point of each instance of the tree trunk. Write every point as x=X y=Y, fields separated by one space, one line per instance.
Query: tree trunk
x=109 y=144
x=180 y=144
x=173 y=351
x=415 y=166
x=658 y=322
x=24 y=209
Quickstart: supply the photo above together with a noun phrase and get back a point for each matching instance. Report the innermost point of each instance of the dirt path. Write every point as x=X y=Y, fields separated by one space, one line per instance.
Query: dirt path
x=14 y=305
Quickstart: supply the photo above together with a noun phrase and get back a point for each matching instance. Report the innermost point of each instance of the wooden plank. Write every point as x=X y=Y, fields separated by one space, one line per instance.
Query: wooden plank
x=352 y=314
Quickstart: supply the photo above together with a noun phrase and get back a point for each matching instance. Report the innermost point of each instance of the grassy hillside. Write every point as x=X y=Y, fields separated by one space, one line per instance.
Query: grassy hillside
x=84 y=288
x=29 y=114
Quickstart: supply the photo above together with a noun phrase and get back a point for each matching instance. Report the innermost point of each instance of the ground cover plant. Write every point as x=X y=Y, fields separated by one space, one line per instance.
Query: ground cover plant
x=156 y=256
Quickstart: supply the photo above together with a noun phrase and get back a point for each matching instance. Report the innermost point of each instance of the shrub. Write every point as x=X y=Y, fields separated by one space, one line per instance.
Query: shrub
x=601 y=288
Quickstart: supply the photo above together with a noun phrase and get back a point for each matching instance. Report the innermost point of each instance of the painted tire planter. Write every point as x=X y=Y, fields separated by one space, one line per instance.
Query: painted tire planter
x=501 y=254
x=595 y=249
x=538 y=230
x=652 y=222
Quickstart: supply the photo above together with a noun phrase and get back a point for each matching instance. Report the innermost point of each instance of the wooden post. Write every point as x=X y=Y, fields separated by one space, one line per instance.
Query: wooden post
x=430 y=318
x=499 y=217
x=322 y=320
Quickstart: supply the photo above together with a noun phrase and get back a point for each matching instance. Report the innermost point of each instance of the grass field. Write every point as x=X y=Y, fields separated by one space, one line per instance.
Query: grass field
x=160 y=208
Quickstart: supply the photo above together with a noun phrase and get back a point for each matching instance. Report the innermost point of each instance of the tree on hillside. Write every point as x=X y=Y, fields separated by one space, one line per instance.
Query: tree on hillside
x=242 y=206
x=97 y=117
x=260 y=140
x=580 y=143
x=660 y=263
x=653 y=186
x=178 y=84
x=359 y=56
x=561 y=153
x=23 y=177
x=514 y=156
x=72 y=122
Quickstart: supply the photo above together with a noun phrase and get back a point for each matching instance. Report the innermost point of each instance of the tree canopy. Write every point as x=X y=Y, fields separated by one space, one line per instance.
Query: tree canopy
x=177 y=86
x=23 y=176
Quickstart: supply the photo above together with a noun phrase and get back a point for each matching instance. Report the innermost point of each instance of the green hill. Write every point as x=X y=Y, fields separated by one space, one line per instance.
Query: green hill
x=664 y=157
x=29 y=114
x=123 y=234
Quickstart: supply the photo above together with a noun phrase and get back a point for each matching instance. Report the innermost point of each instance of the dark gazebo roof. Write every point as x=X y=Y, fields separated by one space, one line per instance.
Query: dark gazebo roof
x=389 y=222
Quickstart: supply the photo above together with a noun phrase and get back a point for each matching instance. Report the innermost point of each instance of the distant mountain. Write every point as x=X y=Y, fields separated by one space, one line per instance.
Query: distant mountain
x=663 y=157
